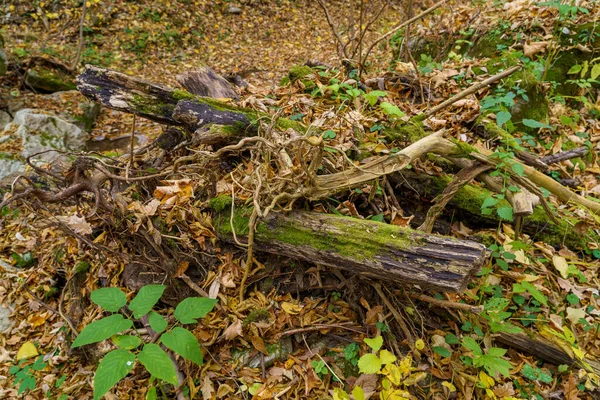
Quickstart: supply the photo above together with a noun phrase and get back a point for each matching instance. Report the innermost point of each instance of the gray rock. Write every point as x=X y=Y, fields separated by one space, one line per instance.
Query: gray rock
x=5 y=322
x=10 y=164
x=234 y=10
x=4 y=119
x=40 y=132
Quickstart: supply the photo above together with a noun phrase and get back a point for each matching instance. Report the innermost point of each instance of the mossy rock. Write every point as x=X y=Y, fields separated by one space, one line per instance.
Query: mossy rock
x=303 y=73
x=299 y=72
x=49 y=81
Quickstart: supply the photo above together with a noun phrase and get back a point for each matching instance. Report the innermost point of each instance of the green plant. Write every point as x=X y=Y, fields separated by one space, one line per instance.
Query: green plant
x=427 y=65
x=118 y=363
x=320 y=368
x=491 y=360
x=566 y=9
x=395 y=375
x=25 y=374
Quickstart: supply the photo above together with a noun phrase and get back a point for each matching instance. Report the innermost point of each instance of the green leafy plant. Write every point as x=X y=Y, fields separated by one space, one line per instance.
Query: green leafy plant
x=118 y=363
x=491 y=360
x=536 y=374
x=25 y=374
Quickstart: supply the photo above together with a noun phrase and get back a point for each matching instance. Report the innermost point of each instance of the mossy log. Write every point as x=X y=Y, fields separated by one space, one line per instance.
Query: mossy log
x=373 y=249
x=170 y=106
x=546 y=350
x=469 y=199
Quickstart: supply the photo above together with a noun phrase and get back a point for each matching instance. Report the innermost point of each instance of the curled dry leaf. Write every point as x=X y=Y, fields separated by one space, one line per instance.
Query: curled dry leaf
x=531 y=49
x=78 y=224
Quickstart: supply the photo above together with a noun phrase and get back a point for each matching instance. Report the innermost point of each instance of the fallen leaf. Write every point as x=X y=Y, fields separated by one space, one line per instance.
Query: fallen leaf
x=233 y=330
x=27 y=350
x=291 y=308
x=561 y=265
x=575 y=314
x=531 y=49
x=207 y=388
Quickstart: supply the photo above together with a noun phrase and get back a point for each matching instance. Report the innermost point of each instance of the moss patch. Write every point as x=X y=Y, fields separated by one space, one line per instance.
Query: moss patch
x=220 y=203
x=299 y=72
x=49 y=80
x=357 y=239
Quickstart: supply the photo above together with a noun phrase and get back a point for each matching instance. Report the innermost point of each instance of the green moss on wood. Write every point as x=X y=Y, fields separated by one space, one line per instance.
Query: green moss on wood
x=358 y=239
x=220 y=203
x=470 y=197
x=180 y=94
x=49 y=80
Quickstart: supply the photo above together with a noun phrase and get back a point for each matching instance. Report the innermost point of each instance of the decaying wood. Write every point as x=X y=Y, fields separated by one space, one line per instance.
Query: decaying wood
x=325 y=185
x=206 y=83
x=155 y=102
x=168 y=106
x=468 y=201
x=377 y=250
x=565 y=155
x=546 y=350
x=465 y=176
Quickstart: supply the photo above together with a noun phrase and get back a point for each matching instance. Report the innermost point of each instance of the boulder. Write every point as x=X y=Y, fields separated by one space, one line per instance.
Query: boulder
x=41 y=132
x=32 y=132
x=4 y=119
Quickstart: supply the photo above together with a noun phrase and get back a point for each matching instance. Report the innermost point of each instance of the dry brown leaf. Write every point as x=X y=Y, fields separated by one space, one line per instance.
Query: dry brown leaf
x=531 y=49
x=223 y=390
x=504 y=390
x=372 y=316
x=570 y=388
x=207 y=388
x=233 y=330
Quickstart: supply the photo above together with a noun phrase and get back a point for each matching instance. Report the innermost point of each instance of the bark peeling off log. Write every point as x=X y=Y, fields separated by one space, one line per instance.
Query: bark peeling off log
x=196 y=115
x=373 y=249
x=124 y=93
x=205 y=82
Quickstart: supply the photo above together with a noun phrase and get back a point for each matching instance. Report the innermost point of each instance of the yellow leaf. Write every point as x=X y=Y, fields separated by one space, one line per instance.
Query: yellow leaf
x=561 y=265
x=486 y=380
x=358 y=393
x=393 y=373
x=415 y=378
x=580 y=354
x=386 y=357
x=27 y=350
x=339 y=394
x=420 y=344
x=450 y=386
x=291 y=308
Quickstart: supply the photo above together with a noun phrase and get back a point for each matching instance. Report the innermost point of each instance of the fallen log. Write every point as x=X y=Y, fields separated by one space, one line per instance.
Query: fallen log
x=176 y=107
x=373 y=249
x=547 y=351
x=469 y=199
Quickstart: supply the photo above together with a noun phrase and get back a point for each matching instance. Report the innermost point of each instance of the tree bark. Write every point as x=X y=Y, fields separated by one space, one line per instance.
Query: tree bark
x=172 y=106
x=373 y=249
x=546 y=350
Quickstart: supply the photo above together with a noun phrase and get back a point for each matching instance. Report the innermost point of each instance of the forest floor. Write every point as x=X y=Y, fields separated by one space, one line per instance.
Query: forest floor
x=527 y=326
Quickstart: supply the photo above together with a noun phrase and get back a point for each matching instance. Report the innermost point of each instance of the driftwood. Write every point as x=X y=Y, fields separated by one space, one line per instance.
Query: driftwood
x=373 y=249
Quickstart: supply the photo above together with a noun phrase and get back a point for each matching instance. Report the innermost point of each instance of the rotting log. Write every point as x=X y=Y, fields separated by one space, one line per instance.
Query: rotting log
x=546 y=350
x=205 y=82
x=373 y=249
x=175 y=107
x=469 y=199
